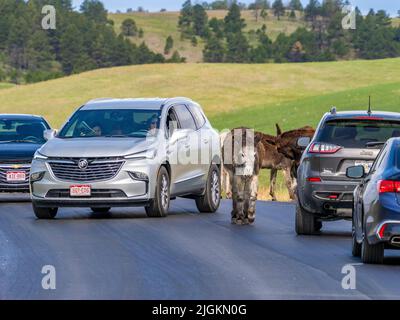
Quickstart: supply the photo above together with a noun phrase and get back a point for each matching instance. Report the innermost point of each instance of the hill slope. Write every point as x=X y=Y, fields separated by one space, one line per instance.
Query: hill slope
x=159 y=25
x=232 y=95
x=250 y=94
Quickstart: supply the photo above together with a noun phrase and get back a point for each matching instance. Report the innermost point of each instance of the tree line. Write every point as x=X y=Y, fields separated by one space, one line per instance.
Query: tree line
x=323 y=38
x=82 y=41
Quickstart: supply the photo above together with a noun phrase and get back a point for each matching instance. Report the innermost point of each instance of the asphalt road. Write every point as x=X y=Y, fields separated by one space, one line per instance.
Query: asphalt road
x=185 y=256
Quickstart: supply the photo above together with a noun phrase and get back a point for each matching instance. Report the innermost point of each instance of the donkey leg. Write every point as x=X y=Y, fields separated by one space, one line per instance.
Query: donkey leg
x=251 y=212
x=274 y=174
x=289 y=183
x=228 y=184
x=238 y=200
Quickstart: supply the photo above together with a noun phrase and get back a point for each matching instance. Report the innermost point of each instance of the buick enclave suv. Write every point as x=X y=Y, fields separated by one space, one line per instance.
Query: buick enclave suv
x=342 y=140
x=129 y=152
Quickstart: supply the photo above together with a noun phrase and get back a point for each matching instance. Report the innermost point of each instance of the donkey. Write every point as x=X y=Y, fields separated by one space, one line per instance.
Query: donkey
x=286 y=144
x=272 y=160
x=276 y=161
x=242 y=150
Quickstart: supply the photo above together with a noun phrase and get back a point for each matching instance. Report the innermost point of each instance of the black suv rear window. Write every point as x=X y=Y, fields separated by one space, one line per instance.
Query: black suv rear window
x=358 y=133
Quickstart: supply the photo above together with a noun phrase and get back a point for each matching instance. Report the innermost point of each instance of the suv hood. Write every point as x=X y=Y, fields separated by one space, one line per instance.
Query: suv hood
x=95 y=147
x=18 y=151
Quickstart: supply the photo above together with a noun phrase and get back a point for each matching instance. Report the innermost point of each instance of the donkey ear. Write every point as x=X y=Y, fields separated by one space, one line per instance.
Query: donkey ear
x=278 y=130
x=257 y=138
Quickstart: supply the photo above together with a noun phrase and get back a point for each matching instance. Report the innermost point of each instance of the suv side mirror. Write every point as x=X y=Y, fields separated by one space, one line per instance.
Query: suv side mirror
x=303 y=142
x=356 y=172
x=49 y=134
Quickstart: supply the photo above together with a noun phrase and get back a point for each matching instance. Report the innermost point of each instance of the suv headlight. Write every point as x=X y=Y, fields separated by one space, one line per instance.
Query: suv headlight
x=39 y=156
x=148 y=154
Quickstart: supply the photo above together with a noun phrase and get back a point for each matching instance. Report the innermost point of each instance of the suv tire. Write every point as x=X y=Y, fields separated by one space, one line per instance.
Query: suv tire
x=356 y=247
x=210 y=201
x=45 y=213
x=158 y=207
x=306 y=223
x=372 y=254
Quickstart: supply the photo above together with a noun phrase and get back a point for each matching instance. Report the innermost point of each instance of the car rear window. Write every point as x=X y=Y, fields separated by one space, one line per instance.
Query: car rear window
x=358 y=133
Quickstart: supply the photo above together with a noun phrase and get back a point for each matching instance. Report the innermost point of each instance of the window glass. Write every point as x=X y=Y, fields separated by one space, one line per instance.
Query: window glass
x=198 y=116
x=358 y=133
x=112 y=123
x=185 y=117
x=23 y=131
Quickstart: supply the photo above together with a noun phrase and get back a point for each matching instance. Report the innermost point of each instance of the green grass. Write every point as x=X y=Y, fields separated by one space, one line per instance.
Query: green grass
x=5 y=85
x=232 y=95
x=158 y=26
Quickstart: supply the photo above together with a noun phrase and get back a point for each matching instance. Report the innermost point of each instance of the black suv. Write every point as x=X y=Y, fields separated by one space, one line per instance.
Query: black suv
x=20 y=137
x=342 y=140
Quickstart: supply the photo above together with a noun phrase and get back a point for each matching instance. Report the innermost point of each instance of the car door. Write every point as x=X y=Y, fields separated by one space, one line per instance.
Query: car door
x=204 y=136
x=364 y=197
x=186 y=175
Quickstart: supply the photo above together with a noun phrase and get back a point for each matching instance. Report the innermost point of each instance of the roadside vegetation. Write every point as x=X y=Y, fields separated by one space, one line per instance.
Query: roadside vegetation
x=292 y=95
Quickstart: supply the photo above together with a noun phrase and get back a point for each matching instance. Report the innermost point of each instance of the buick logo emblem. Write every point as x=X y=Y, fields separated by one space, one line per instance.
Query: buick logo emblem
x=83 y=164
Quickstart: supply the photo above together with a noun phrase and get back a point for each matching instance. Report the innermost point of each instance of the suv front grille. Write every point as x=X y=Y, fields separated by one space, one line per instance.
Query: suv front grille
x=98 y=169
x=4 y=168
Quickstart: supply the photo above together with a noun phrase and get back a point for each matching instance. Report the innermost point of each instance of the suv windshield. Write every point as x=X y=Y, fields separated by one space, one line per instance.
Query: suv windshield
x=22 y=131
x=112 y=123
x=358 y=133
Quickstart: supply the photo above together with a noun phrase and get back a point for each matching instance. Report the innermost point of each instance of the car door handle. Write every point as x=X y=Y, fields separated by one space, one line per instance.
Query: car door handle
x=206 y=141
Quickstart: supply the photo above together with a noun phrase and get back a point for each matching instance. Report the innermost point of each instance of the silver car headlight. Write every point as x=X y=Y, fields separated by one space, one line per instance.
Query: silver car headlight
x=148 y=154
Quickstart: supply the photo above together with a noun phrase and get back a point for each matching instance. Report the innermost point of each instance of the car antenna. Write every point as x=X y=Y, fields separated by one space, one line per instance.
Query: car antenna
x=369 y=106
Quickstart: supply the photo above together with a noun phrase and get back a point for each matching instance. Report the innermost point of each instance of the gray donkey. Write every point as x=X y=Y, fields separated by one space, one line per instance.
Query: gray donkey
x=242 y=150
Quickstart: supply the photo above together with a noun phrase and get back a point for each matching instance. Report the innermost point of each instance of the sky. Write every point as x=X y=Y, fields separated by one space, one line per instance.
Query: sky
x=391 y=6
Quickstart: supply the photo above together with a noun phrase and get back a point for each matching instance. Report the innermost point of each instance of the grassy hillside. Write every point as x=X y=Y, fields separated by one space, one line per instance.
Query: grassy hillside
x=158 y=26
x=232 y=95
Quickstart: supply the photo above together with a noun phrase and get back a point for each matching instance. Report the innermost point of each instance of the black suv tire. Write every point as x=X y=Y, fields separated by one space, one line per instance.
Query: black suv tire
x=45 y=213
x=158 y=207
x=372 y=254
x=306 y=223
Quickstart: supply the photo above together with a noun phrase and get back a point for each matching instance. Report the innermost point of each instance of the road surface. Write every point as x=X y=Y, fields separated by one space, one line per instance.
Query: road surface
x=185 y=256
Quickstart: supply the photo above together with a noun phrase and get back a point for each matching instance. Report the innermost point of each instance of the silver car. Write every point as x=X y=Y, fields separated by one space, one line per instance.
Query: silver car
x=129 y=152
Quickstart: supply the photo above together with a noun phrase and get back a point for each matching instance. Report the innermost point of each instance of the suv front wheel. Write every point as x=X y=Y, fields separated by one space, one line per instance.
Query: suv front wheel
x=44 y=213
x=306 y=223
x=158 y=207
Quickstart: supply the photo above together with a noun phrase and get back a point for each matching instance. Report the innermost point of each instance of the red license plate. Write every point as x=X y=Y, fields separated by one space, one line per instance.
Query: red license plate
x=16 y=176
x=80 y=191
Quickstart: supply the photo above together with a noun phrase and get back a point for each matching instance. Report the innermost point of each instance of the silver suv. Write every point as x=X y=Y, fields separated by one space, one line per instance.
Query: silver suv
x=129 y=152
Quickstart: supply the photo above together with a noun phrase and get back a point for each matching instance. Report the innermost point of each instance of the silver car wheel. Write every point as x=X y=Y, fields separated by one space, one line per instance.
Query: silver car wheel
x=215 y=188
x=164 y=192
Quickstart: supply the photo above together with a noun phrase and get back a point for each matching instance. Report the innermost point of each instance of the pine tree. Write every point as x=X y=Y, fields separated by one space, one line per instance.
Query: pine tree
x=95 y=11
x=279 y=9
x=214 y=50
x=200 y=20
x=169 y=44
x=233 y=20
x=129 y=28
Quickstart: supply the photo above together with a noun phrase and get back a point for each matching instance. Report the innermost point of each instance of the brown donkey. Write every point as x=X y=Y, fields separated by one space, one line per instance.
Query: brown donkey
x=286 y=144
